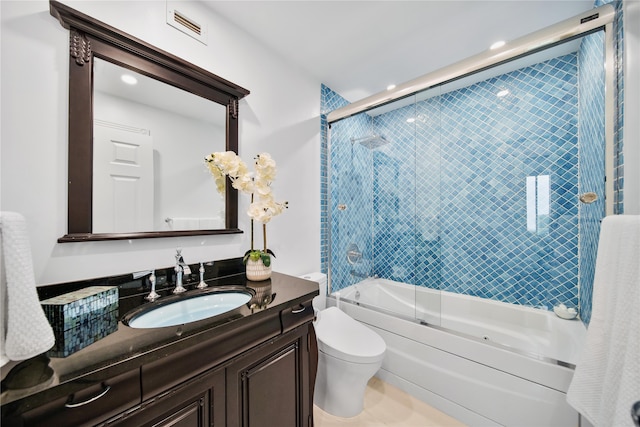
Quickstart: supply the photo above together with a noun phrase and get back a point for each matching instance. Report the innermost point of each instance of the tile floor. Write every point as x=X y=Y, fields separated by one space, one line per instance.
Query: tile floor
x=386 y=405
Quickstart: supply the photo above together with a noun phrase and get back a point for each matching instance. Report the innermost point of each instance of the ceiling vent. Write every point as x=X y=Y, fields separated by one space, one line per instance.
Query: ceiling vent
x=181 y=21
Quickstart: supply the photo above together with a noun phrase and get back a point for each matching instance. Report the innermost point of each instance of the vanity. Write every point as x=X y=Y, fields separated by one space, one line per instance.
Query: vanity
x=251 y=366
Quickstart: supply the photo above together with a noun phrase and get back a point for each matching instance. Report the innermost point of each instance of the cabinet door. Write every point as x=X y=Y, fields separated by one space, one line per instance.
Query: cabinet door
x=199 y=402
x=192 y=413
x=268 y=386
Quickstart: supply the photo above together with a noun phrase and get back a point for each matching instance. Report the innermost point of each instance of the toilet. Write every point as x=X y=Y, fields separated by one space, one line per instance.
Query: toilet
x=349 y=354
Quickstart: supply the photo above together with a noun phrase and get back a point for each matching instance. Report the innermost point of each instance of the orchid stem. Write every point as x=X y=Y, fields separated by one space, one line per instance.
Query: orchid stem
x=264 y=236
x=252 y=225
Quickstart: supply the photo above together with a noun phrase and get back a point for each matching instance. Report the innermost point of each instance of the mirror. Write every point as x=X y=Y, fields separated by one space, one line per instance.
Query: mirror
x=150 y=163
x=143 y=178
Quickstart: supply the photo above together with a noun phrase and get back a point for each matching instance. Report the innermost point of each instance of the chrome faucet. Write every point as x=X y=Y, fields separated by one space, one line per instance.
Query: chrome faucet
x=180 y=269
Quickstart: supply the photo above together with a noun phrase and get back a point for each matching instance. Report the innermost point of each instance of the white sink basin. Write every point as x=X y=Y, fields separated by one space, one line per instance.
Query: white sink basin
x=189 y=309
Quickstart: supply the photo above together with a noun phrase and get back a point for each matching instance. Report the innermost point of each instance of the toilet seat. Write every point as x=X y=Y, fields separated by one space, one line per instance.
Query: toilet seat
x=344 y=338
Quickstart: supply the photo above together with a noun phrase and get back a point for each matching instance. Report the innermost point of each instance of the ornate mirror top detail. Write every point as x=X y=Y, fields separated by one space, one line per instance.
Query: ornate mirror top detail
x=136 y=165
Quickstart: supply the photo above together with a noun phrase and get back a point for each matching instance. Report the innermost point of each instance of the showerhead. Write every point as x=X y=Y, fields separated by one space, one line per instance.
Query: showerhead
x=371 y=142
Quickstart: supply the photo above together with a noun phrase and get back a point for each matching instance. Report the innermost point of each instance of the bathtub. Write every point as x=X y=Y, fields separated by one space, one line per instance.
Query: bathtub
x=484 y=362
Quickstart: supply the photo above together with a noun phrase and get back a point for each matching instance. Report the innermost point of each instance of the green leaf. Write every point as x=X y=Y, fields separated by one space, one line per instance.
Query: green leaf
x=252 y=255
x=266 y=260
x=270 y=252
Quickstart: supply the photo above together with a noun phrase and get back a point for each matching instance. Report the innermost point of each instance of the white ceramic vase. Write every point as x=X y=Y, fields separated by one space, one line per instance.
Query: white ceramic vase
x=257 y=271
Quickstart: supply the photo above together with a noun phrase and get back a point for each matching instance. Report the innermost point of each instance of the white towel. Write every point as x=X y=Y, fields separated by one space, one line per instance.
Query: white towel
x=606 y=381
x=24 y=329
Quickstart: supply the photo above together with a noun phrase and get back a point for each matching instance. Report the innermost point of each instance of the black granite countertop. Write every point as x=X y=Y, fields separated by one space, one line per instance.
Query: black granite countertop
x=129 y=348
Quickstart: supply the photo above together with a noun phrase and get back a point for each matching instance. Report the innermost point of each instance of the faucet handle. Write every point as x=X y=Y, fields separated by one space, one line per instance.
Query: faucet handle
x=153 y=295
x=202 y=283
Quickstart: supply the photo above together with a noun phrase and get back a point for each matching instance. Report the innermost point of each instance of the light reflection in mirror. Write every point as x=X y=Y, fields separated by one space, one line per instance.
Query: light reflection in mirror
x=149 y=140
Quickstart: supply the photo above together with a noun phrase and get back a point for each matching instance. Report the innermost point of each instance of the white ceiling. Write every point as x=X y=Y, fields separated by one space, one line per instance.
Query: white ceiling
x=358 y=48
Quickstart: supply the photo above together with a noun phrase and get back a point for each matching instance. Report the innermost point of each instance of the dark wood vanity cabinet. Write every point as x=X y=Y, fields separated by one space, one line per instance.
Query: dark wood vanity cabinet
x=269 y=386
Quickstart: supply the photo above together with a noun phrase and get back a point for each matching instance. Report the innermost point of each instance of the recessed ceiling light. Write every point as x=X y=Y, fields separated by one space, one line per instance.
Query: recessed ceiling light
x=129 y=79
x=391 y=87
x=497 y=44
x=502 y=93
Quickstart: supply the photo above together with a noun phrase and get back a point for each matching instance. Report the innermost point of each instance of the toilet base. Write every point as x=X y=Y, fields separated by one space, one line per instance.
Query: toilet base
x=340 y=385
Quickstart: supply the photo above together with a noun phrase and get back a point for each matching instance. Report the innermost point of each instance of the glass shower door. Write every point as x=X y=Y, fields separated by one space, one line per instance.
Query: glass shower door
x=372 y=184
x=428 y=170
x=351 y=208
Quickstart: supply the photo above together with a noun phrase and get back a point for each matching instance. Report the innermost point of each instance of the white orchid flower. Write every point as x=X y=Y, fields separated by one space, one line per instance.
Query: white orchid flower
x=264 y=207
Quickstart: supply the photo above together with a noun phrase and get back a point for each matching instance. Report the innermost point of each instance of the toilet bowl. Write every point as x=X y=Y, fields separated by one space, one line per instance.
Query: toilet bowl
x=349 y=354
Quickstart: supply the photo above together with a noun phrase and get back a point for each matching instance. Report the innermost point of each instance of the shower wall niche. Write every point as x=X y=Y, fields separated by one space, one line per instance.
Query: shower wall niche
x=475 y=187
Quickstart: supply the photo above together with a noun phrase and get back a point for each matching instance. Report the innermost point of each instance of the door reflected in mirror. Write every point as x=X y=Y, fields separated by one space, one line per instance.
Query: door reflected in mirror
x=150 y=139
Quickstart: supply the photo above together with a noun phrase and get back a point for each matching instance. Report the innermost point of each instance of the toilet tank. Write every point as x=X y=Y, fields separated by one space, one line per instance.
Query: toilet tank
x=319 y=302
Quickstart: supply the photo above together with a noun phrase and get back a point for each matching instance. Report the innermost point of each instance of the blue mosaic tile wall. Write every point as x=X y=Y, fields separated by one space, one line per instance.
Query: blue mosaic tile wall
x=591 y=164
x=589 y=215
x=619 y=114
x=350 y=201
x=619 y=100
x=329 y=101
x=475 y=239
x=444 y=203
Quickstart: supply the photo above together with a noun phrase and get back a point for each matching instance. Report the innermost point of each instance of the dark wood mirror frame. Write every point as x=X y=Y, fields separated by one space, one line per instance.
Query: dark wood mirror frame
x=91 y=38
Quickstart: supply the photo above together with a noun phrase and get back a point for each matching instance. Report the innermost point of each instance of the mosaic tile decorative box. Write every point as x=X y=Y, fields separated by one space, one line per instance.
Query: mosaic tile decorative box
x=81 y=317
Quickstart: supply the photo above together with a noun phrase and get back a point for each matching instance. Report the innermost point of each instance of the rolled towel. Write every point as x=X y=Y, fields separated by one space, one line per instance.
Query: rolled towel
x=25 y=331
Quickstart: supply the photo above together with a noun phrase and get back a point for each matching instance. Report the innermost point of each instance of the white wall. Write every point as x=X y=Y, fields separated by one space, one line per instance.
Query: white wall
x=280 y=116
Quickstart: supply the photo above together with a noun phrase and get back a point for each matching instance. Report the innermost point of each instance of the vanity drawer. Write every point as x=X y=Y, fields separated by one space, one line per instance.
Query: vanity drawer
x=296 y=316
x=91 y=405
